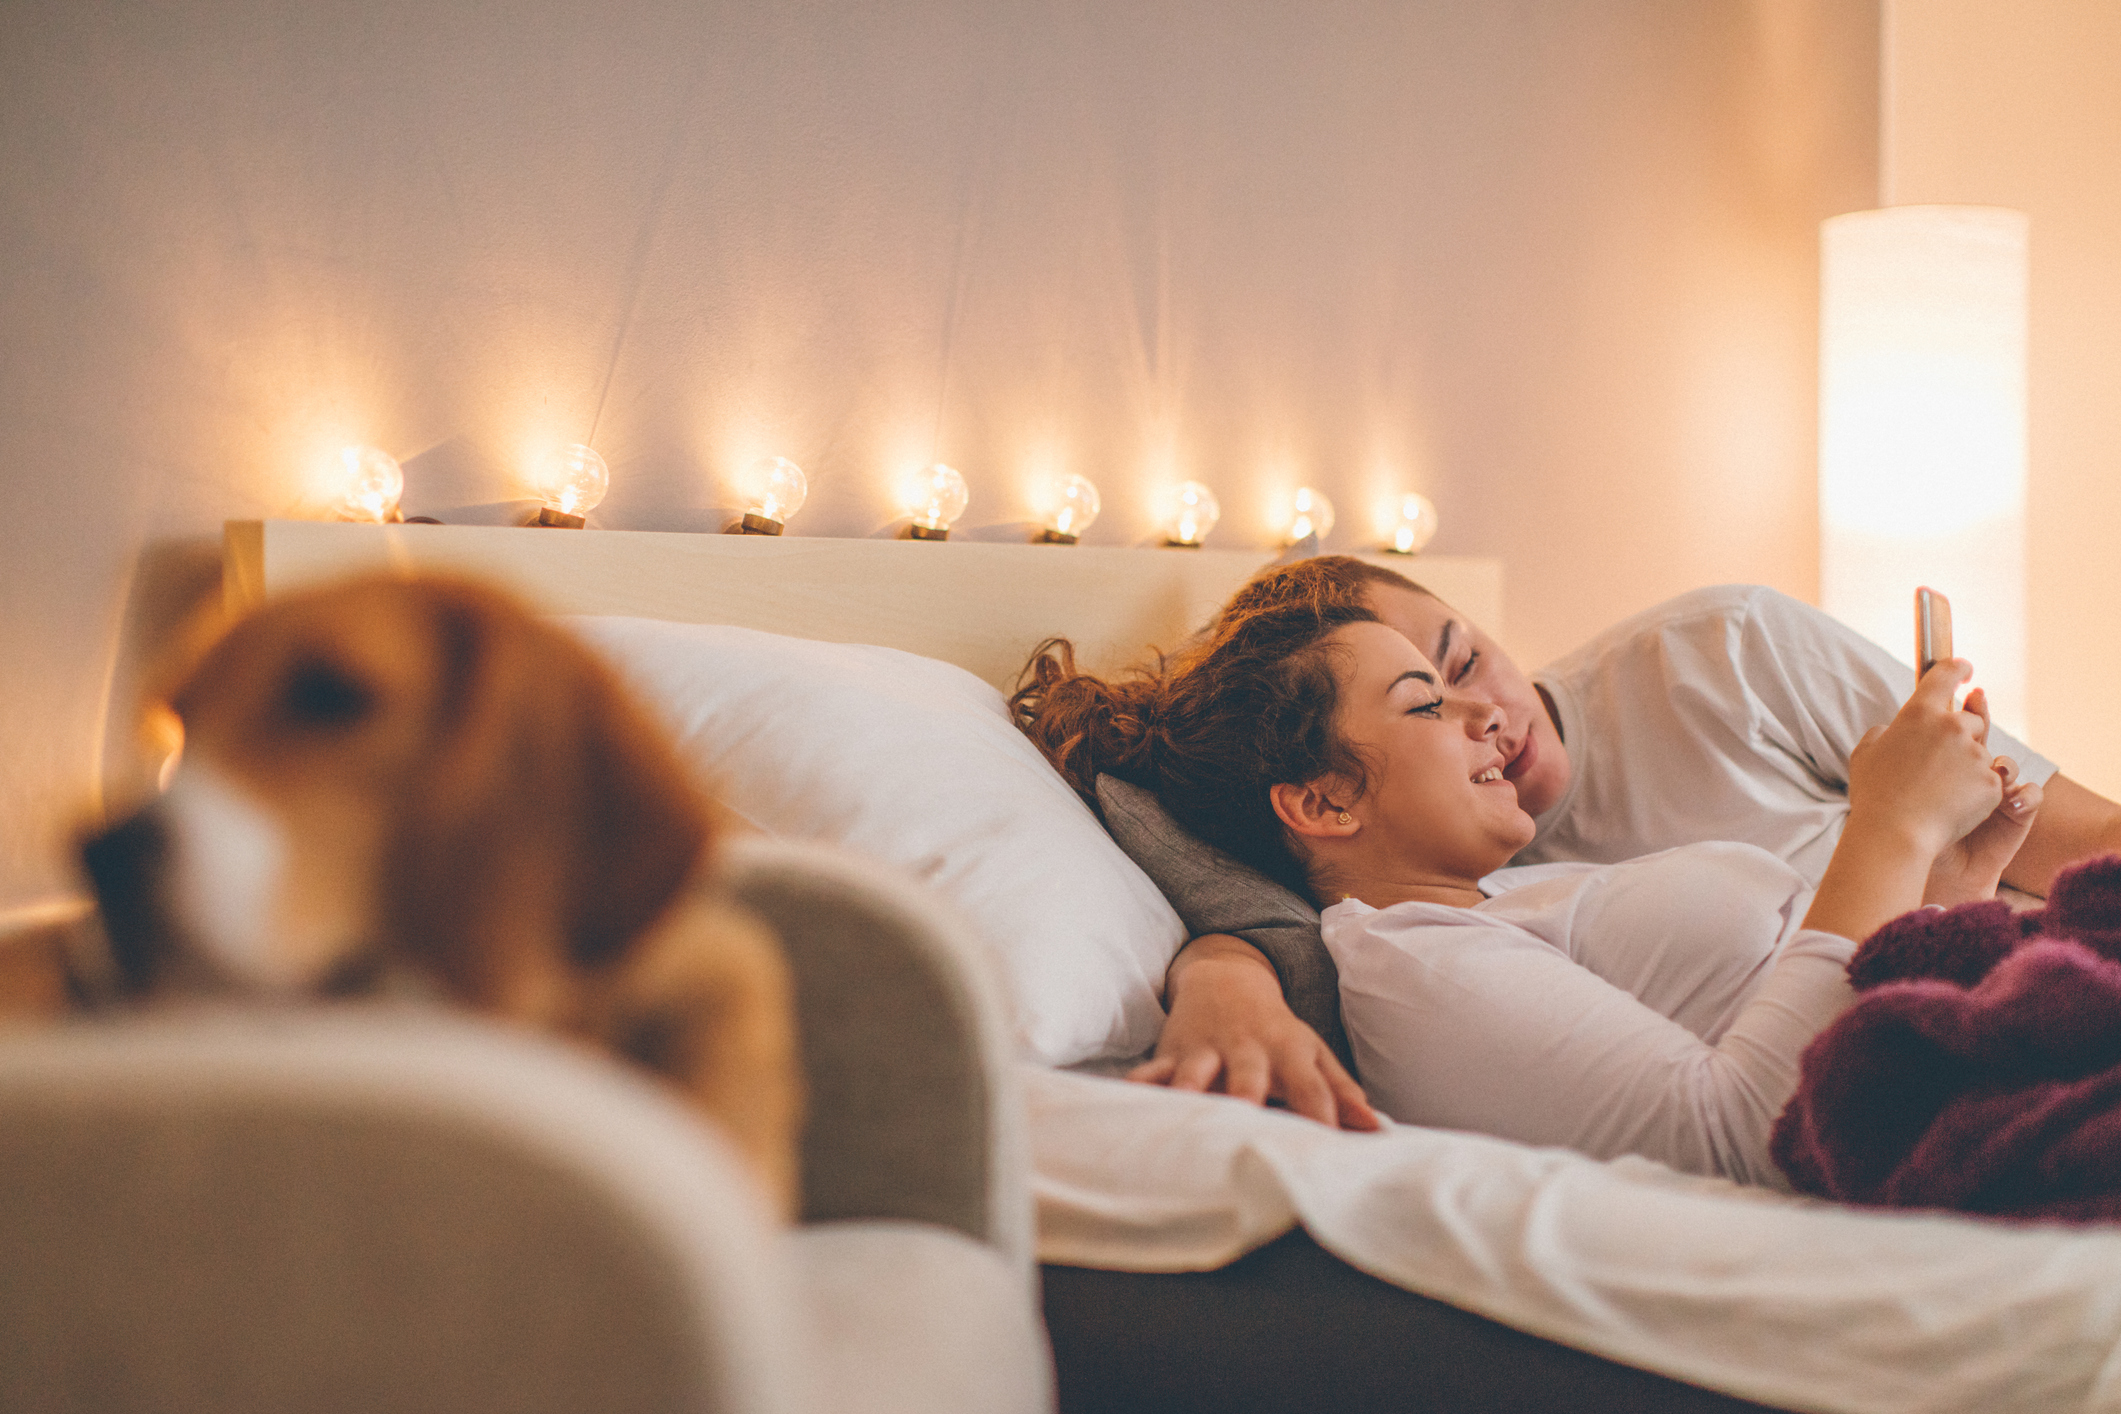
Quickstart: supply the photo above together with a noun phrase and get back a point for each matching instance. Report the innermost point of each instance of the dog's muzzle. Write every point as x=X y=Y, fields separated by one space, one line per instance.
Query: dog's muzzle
x=125 y=864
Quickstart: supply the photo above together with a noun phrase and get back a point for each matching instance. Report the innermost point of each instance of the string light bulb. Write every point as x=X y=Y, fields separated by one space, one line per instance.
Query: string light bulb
x=935 y=496
x=1310 y=514
x=374 y=481
x=1192 y=514
x=1413 y=525
x=776 y=488
x=1075 y=505
x=571 y=483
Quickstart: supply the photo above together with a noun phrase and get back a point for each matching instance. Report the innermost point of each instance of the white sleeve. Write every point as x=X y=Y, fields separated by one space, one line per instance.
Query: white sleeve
x=1823 y=685
x=1478 y=1025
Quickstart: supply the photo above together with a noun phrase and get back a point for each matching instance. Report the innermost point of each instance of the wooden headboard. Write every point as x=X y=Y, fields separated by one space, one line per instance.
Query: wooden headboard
x=979 y=605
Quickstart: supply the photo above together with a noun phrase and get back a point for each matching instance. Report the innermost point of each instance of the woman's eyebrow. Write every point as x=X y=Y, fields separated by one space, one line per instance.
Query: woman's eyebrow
x=1443 y=640
x=1414 y=673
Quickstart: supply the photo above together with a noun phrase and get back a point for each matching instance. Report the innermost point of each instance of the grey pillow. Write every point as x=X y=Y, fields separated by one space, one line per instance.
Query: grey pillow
x=1214 y=893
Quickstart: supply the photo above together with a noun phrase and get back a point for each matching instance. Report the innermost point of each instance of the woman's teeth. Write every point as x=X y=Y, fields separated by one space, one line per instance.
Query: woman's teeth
x=1493 y=773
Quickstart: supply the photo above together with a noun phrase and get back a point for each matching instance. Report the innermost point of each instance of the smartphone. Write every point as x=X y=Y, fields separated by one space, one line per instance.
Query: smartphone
x=1933 y=630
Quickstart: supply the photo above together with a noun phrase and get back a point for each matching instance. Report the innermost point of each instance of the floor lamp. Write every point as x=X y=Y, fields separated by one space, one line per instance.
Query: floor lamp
x=1922 y=430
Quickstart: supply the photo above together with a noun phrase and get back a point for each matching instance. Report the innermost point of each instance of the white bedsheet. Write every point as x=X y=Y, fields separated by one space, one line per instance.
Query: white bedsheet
x=1784 y=1300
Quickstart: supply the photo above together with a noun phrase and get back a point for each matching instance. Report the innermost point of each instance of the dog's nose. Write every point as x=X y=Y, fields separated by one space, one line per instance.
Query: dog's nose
x=125 y=865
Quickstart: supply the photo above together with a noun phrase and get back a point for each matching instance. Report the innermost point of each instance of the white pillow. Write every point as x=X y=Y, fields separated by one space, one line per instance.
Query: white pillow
x=915 y=763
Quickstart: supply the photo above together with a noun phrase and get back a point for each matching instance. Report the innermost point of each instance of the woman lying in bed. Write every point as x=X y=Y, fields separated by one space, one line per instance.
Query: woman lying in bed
x=1725 y=714
x=1655 y=1007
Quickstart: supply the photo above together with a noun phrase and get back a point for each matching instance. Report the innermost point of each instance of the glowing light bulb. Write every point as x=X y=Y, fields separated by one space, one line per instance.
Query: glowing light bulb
x=162 y=731
x=934 y=496
x=1310 y=513
x=1075 y=505
x=1413 y=524
x=373 y=482
x=571 y=483
x=776 y=490
x=1193 y=511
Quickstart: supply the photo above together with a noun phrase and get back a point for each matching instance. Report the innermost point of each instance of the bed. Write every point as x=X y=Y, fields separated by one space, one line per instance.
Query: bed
x=1200 y=1253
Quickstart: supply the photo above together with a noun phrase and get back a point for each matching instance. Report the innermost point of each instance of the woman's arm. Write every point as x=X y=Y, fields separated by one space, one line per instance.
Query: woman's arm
x=1819 y=682
x=2074 y=823
x=1229 y=1029
x=1468 y=1022
x=1916 y=786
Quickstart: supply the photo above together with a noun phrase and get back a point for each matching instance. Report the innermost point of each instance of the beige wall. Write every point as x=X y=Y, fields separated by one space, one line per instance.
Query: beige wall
x=2019 y=104
x=1552 y=263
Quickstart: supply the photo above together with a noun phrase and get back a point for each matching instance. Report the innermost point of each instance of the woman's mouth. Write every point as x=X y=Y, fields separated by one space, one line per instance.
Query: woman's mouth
x=1488 y=777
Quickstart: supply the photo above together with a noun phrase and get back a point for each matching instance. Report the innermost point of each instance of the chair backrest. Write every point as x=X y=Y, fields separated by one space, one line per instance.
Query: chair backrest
x=915 y=1111
x=374 y=1209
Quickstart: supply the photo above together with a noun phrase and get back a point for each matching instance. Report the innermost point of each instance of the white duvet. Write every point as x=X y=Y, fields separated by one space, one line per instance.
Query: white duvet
x=1785 y=1300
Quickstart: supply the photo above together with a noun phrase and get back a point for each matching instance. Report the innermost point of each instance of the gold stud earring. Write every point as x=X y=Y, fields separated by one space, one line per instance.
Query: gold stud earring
x=1346 y=818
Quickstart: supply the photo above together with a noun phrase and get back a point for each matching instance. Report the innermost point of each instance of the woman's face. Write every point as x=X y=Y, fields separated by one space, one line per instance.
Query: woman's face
x=1471 y=663
x=1435 y=797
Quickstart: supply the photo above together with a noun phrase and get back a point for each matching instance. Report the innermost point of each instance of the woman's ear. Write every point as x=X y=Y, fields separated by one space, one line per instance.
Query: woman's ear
x=1313 y=811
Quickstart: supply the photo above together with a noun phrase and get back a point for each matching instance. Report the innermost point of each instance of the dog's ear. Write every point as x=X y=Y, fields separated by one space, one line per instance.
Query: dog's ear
x=642 y=825
x=551 y=819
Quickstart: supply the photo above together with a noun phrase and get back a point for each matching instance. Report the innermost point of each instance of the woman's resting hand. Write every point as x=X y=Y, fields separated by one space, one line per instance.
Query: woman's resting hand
x=1970 y=867
x=1229 y=1030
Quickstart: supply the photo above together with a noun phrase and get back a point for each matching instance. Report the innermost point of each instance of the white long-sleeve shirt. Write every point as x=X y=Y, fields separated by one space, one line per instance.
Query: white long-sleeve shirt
x=1655 y=1007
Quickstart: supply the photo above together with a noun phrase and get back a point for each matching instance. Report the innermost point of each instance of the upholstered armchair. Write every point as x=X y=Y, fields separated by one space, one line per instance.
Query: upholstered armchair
x=382 y=1207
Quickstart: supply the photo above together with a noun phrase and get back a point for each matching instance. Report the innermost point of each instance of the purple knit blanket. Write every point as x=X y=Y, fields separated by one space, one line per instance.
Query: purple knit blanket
x=1979 y=1069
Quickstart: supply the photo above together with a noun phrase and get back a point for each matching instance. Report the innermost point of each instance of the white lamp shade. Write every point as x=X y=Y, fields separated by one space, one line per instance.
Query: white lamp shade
x=1922 y=430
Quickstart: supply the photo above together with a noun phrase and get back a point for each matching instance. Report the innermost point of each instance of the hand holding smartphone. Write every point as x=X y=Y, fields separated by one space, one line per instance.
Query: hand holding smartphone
x=1933 y=630
x=2004 y=832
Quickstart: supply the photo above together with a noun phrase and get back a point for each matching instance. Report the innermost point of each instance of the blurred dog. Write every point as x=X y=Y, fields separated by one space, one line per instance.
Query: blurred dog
x=396 y=781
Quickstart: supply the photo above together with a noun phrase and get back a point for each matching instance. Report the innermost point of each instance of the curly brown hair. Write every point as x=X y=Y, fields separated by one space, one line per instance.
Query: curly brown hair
x=1214 y=727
